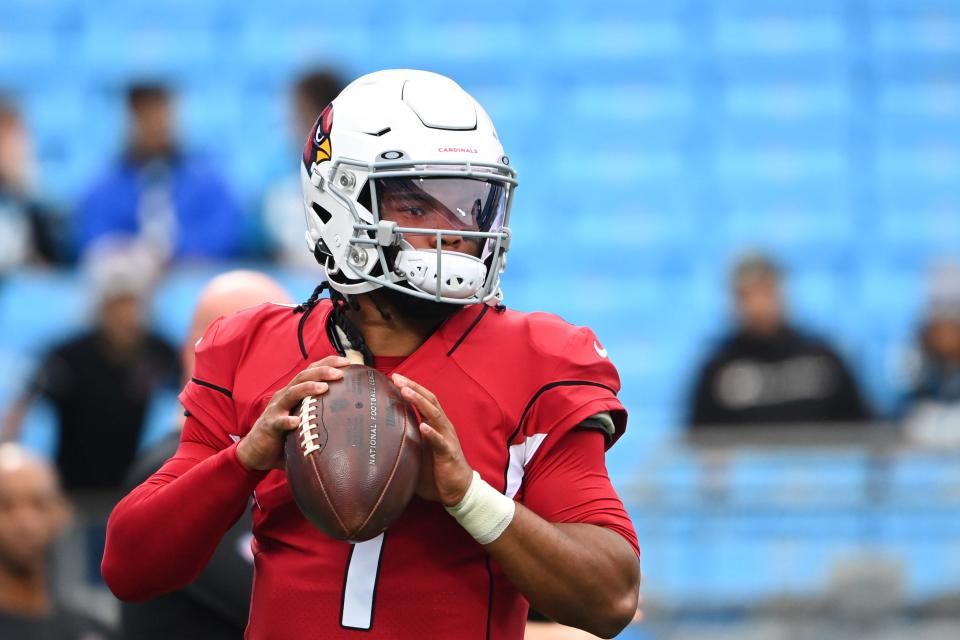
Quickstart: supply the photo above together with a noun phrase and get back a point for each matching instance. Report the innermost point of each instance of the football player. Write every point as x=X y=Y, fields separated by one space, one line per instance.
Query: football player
x=407 y=194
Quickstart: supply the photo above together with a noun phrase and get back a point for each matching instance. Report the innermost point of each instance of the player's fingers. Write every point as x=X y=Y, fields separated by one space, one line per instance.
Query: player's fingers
x=282 y=424
x=319 y=372
x=330 y=361
x=289 y=397
x=403 y=381
x=438 y=444
x=324 y=372
x=428 y=410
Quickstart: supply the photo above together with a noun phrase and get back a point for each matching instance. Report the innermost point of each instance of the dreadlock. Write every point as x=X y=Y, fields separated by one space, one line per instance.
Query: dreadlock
x=338 y=320
x=311 y=302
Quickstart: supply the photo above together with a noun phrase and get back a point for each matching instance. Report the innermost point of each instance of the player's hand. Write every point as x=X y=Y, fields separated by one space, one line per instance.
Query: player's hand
x=445 y=474
x=262 y=448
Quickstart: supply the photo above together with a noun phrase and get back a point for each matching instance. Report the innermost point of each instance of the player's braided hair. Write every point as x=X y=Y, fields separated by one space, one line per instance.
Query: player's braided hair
x=338 y=320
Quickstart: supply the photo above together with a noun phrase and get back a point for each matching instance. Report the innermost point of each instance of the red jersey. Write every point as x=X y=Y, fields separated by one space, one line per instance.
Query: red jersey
x=514 y=385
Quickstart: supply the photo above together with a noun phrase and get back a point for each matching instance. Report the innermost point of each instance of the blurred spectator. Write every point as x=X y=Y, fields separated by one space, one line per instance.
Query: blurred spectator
x=100 y=382
x=933 y=406
x=33 y=512
x=768 y=372
x=25 y=223
x=283 y=205
x=172 y=199
x=215 y=605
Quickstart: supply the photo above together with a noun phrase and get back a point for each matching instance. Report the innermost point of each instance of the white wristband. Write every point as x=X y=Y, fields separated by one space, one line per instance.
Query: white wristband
x=484 y=512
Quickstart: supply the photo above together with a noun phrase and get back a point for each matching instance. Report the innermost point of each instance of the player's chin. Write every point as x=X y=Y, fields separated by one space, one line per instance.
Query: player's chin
x=412 y=308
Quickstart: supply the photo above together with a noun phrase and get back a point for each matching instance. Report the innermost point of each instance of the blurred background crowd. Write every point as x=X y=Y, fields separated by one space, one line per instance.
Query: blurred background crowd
x=754 y=203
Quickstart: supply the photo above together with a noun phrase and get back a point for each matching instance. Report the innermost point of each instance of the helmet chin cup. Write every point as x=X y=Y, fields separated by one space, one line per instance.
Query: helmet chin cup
x=460 y=276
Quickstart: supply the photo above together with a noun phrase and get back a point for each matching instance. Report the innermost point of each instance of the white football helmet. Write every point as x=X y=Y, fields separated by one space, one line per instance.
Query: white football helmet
x=406 y=186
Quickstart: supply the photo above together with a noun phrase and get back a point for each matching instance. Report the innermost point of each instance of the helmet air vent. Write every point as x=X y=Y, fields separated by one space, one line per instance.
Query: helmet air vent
x=322 y=213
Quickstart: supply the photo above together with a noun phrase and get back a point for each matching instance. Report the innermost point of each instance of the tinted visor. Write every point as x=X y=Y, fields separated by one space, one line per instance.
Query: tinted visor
x=461 y=204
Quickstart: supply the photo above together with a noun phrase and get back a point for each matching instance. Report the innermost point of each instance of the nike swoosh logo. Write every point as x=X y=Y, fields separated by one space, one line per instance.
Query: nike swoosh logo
x=600 y=350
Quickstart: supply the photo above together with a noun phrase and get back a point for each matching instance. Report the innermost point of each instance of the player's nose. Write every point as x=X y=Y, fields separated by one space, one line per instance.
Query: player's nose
x=448 y=242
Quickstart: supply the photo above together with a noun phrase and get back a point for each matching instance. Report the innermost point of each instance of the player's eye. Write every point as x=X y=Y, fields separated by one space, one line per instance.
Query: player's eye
x=416 y=212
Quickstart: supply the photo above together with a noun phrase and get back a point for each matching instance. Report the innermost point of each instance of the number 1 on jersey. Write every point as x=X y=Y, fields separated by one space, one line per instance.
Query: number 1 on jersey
x=360 y=584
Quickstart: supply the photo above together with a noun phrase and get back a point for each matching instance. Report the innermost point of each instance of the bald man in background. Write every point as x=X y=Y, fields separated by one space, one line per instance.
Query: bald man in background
x=33 y=512
x=215 y=605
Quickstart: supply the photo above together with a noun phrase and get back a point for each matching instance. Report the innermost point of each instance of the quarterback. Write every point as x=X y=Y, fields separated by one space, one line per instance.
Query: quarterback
x=407 y=195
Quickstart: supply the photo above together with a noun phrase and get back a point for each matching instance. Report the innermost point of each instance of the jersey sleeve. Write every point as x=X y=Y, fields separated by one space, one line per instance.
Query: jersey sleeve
x=208 y=394
x=163 y=533
x=582 y=383
x=570 y=484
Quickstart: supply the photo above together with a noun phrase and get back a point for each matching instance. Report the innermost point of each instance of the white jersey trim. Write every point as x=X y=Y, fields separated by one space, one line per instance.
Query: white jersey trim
x=522 y=453
x=520 y=456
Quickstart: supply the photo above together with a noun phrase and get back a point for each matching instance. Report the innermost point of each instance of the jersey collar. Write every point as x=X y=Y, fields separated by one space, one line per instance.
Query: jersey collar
x=315 y=341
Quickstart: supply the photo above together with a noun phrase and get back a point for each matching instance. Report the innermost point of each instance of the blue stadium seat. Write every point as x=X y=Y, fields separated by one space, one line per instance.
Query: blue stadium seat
x=116 y=52
x=260 y=50
x=38 y=432
x=170 y=13
x=794 y=111
x=648 y=112
x=928 y=477
x=469 y=40
x=18 y=368
x=771 y=35
x=625 y=39
x=213 y=118
x=822 y=481
x=39 y=307
x=623 y=167
x=922 y=108
x=768 y=34
x=784 y=162
x=918 y=208
x=791 y=227
x=26 y=53
x=287 y=13
x=299 y=283
x=173 y=303
x=779 y=9
x=34 y=13
x=162 y=416
x=921 y=554
x=924 y=28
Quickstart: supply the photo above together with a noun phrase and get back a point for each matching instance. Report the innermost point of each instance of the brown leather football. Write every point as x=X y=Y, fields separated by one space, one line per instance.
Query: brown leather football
x=354 y=461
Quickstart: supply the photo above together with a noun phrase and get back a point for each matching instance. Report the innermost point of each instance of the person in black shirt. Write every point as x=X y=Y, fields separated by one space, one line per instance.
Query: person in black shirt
x=32 y=513
x=101 y=381
x=768 y=372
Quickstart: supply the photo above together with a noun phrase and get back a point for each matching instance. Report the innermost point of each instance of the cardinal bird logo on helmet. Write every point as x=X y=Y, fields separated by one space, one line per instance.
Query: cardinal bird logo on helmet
x=317 y=148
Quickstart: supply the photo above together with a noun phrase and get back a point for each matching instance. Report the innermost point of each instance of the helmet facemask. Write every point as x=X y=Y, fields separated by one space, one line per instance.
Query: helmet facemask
x=437 y=231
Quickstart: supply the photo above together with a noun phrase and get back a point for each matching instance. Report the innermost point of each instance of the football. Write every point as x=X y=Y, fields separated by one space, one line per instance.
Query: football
x=354 y=461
